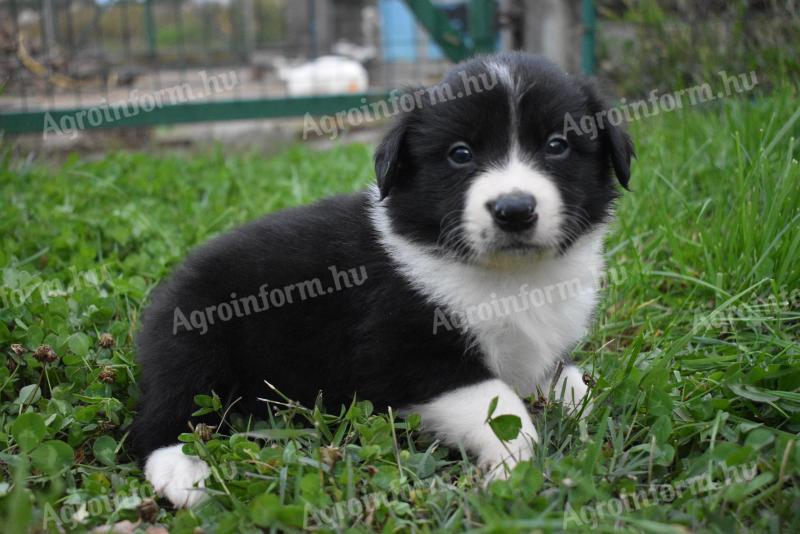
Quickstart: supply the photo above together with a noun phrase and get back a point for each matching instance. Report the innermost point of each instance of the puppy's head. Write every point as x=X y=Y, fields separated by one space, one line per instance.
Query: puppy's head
x=491 y=162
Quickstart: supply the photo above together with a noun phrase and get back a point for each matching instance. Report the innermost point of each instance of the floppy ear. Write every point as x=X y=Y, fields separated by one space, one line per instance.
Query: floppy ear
x=617 y=142
x=390 y=156
x=622 y=150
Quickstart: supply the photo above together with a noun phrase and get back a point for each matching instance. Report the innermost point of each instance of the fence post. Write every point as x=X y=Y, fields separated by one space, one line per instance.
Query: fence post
x=48 y=26
x=312 y=29
x=433 y=19
x=150 y=28
x=482 y=25
x=589 y=16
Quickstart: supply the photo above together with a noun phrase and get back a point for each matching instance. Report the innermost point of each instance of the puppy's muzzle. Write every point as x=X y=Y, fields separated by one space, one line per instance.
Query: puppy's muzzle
x=515 y=212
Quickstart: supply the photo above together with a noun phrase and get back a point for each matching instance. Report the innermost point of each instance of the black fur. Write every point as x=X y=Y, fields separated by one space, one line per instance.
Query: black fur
x=375 y=338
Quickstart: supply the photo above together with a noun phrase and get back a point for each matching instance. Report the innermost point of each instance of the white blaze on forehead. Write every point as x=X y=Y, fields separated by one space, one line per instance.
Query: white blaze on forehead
x=517 y=176
x=502 y=72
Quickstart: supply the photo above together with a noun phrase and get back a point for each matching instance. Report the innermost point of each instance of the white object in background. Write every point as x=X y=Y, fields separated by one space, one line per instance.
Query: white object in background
x=362 y=54
x=326 y=75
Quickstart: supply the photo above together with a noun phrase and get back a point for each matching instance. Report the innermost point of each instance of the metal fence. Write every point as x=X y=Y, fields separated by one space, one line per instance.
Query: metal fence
x=208 y=60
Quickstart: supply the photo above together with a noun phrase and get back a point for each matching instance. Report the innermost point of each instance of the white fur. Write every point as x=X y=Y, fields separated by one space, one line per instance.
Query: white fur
x=514 y=177
x=571 y=390
x=502 y=72
x=458 y=417
x=326 y=75
x=521 y=348
x=177 y=476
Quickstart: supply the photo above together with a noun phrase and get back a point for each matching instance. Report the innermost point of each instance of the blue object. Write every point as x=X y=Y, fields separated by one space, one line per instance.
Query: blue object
x=400 y=34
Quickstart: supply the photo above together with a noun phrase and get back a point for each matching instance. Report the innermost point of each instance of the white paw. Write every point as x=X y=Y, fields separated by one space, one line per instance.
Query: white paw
x=498 y=461
x=177 y=476
x=571 y=390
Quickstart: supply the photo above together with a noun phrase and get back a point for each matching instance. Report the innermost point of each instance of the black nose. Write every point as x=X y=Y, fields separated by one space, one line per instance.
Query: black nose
x=514 y=213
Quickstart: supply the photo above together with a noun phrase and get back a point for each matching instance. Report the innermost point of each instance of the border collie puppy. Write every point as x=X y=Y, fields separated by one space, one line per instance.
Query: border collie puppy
x=468 y=273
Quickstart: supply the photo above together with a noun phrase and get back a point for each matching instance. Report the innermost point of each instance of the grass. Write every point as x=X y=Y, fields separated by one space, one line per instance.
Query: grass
x=694 y=353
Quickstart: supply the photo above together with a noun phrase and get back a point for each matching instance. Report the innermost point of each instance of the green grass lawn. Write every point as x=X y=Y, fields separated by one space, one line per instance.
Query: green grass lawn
x=694 y=352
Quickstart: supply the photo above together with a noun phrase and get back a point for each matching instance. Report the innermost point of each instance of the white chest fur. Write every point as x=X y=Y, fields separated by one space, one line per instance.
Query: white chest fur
x=524 y=317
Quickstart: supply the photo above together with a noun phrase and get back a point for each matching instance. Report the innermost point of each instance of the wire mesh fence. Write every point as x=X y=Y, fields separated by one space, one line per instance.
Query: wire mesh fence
x=206 y=60
x=71 y=54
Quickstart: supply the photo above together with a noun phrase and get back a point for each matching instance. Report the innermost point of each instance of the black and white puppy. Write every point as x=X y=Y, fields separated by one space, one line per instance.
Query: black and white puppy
x=468 y=273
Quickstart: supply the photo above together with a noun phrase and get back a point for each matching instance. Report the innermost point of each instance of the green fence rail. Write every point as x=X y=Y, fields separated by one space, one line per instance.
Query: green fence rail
x=228 y=110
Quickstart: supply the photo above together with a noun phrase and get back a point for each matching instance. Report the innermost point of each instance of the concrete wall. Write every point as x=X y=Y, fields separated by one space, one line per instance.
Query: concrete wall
x=549 y=27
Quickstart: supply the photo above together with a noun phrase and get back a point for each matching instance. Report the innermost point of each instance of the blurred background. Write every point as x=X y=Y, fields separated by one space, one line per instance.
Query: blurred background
x=246 y=72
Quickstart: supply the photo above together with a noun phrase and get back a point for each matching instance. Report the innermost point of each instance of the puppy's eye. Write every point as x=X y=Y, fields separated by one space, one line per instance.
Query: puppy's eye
x=557 y=145
x=460 y=155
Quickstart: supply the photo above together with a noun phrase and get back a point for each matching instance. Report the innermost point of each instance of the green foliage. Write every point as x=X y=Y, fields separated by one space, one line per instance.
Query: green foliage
x=668 y=45
x=697 y=394
x=506 y=427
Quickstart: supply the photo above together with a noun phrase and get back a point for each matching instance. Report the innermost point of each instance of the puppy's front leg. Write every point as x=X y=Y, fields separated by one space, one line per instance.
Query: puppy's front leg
x=458 y=417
